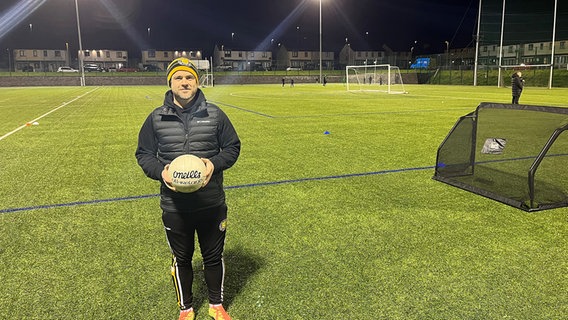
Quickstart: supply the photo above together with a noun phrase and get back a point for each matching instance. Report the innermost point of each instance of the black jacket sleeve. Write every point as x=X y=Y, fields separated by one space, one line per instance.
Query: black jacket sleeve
x=229 y=143
x=147 y=151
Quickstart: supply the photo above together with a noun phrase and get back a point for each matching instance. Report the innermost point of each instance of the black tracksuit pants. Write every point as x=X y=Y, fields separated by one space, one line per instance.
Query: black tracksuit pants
x=181 y=227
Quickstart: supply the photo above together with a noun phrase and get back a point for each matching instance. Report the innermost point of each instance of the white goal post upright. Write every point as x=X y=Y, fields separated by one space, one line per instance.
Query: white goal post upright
x=375 y=77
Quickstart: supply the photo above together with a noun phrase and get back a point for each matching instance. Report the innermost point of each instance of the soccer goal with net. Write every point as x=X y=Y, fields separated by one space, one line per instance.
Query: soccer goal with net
x=378 y=77
x=206 y=80
x=514 y=154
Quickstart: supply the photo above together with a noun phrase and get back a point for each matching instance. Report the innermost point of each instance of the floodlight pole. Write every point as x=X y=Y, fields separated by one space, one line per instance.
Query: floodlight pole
x=476 y=63
x=320 y=55
x=501 y=45
x=81 y=53
x=552 y=49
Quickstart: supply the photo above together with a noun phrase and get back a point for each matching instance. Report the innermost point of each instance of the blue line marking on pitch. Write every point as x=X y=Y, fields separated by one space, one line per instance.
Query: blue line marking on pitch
x=78 y=203
x=350 y=175
x=250 y=185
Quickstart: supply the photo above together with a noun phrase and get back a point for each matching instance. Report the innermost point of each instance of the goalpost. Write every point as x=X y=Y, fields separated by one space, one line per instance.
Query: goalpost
x=505 y=72
x=376 y=77
x=206 y=80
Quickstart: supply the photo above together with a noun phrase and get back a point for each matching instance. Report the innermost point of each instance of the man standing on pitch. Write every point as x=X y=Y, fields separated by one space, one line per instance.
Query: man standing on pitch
x=187 y=124
x=517 y=85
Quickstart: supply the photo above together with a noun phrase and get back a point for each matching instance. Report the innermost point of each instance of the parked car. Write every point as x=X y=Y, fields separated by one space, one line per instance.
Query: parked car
x=92 y=67
x=151 y=67
x=126 y=69
x=224 y=68
x=67 y=69
x=27 y=69
x=293 y=69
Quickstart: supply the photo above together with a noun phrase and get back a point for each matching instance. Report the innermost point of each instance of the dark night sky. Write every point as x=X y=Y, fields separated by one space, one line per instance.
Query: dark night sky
x=189 y=24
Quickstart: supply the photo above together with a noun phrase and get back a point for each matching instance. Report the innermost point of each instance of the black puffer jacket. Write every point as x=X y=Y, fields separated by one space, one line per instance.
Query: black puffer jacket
x=517 y=84
x=201 y=129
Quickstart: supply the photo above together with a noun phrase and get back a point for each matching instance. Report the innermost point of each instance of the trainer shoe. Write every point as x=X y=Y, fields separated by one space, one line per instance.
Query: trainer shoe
x=218 y=313
x=187 y=314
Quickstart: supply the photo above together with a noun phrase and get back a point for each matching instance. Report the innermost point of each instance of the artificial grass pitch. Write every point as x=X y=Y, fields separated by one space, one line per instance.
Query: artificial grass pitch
x=346 y=224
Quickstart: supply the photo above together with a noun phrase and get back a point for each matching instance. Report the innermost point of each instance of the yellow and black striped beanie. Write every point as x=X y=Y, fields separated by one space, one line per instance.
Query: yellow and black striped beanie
x=181 y=64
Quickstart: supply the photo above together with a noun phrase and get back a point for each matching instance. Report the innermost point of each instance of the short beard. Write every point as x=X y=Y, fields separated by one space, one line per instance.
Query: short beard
x=181 y=101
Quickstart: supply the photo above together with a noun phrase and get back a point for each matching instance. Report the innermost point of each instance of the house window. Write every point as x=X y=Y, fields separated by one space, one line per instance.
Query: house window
x=119 y=54
x=166 y=54
x=107 y=54
x=562 y=44
x=35 y=53
x=531 y=47
x=57 y=53
x=45 y=53
x=22 y=53
x=151 y=54
x=87 y=53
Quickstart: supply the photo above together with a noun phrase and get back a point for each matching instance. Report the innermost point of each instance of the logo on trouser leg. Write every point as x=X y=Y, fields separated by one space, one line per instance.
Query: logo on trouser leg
x=223 y=225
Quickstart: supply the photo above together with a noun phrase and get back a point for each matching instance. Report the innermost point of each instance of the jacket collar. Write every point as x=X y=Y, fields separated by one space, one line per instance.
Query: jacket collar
x=170 y=107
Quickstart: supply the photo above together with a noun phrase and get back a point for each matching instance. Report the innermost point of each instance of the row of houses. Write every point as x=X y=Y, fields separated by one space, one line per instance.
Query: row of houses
x=535 y=53
x=49 y=60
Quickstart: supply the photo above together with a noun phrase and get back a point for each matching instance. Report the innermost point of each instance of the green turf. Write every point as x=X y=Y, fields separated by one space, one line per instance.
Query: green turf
x=305 y=241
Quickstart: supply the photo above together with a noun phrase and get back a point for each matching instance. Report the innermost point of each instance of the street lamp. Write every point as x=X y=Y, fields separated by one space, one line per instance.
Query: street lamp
x=447 y=52
x=81 y=53
x=67 y=61
x=9 y=61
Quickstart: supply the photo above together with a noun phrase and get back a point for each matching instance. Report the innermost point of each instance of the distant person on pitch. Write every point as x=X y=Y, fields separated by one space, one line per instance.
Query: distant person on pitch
x=187 y=124
x=517 y=85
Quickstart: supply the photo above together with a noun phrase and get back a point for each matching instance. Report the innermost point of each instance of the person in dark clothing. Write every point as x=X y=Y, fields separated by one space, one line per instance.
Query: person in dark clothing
x=517 y=85
x=187 y=124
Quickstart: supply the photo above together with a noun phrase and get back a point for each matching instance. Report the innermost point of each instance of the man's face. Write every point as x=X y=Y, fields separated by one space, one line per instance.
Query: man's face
x=184 y=87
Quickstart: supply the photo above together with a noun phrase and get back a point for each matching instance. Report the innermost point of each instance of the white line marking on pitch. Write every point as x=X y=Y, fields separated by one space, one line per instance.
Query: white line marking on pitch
x=45 y=114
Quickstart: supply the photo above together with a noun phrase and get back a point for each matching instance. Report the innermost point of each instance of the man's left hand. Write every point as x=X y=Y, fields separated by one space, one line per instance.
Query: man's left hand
x=209 y=167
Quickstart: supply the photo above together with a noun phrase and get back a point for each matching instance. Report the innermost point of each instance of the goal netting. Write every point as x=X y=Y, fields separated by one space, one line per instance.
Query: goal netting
x=514 y=154
x=378 y=77
x=206 y=80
